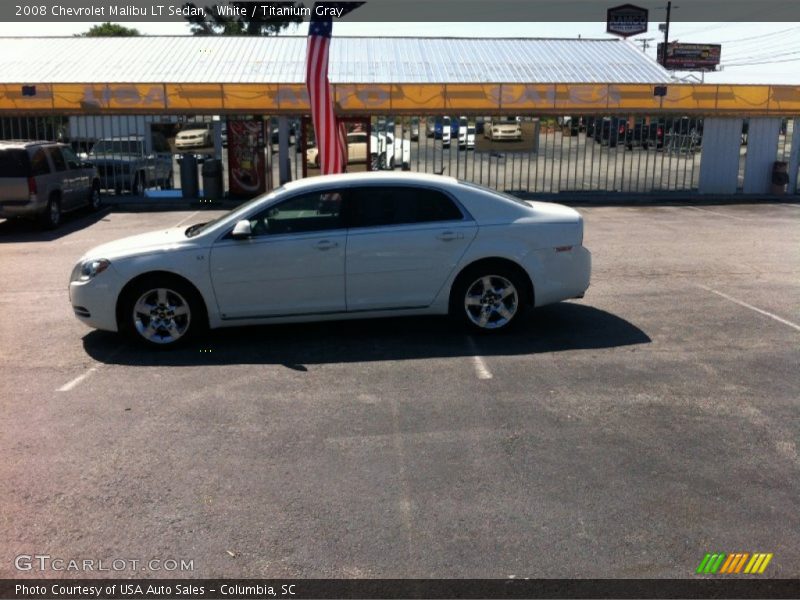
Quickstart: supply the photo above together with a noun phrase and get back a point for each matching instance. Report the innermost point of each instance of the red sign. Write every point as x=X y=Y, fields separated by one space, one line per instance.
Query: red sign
x=246 y=160
x=626 y=20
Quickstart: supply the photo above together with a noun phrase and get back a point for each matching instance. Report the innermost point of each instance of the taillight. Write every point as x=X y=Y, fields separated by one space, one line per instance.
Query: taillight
x=32 y=189
x=659 y=132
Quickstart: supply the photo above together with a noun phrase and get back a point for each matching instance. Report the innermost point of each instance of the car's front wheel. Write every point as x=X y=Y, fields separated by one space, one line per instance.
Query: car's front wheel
x=489 y=298
x=162 y=312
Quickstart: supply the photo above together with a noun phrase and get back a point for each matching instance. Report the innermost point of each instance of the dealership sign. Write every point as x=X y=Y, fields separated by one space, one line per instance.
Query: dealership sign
x=626 y=20
x=690 y=57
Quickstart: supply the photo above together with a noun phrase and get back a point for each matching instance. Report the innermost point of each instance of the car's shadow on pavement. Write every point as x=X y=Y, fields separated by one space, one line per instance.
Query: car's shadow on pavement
x=564 y=326
x=28 y=230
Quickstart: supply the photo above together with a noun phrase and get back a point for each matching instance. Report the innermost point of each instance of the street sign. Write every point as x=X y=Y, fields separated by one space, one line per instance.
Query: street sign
x=690 y=57
x=626 y=20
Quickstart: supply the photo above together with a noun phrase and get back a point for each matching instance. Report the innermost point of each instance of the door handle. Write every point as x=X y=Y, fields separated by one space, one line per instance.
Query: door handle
x=449 y=236
x=326 y=245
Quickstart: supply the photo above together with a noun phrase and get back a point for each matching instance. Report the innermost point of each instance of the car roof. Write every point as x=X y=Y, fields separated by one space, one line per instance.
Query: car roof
x=122 y=138
x=27 y=143
x=372 y=177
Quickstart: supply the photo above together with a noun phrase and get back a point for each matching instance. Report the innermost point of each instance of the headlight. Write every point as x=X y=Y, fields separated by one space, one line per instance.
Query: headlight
x=88 y=269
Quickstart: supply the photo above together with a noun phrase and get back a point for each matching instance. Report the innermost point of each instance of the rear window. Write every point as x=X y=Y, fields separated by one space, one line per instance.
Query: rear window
x=14 y=162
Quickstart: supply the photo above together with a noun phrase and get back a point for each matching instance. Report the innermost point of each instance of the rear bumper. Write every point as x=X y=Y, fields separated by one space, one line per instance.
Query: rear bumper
x=22 y=208
x=561 y=275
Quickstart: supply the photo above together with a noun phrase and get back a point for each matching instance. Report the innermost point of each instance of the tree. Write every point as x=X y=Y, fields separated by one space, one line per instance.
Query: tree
x=239 y=20
x=110 y=30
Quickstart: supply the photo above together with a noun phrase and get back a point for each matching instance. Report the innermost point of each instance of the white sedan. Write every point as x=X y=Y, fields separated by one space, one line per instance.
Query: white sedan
x=193 y=138
x=339 y=247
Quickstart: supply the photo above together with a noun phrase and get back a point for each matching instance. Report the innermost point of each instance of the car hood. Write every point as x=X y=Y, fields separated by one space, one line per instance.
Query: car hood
x=144 y=243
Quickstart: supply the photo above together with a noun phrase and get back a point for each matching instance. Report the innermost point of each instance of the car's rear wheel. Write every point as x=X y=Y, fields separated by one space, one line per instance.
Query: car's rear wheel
x=489 y=298
x=162 y=312
x=51 y=217
x=95 y=199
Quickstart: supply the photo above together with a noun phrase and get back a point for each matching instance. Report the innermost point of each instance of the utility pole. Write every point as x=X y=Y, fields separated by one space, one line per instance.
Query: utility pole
x=645 y=42
x=666 y=35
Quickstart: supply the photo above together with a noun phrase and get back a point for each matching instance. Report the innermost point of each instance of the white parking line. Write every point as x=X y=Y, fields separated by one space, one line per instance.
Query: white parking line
x=481 y=369
x=751 y=307
x=713 y=212
x=69 y=385
x=187 y=218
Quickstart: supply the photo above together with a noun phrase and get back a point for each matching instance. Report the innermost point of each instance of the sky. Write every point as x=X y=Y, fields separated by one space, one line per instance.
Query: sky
x=762 y=53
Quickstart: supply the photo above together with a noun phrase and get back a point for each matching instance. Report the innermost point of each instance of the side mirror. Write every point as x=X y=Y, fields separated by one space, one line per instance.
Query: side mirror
x=242 y=230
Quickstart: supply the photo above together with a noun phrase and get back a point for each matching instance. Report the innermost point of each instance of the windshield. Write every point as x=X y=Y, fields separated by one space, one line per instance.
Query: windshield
x=240 y=210
x=117 y=147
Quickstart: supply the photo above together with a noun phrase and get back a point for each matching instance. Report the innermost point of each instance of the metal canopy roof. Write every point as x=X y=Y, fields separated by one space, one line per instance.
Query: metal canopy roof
x=204 y=59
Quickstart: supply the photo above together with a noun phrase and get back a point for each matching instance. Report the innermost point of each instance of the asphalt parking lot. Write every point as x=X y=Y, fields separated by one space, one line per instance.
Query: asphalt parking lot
x=623 y=435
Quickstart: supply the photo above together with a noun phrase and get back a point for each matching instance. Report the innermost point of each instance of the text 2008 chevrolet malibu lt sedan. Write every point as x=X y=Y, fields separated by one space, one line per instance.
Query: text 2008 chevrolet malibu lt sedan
x=339 y=247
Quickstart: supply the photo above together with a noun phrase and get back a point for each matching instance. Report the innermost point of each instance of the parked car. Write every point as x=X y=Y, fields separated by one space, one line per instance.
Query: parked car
x=609 y=131
x=390 y=151
x=384 y=151
x=447 y=131
x=339 y=247
x=193 y=138
x=42 y=180
x=275 y=136
x=466 y=136
x=414 y=129
x=640 y=133
x=124 y=164
x=570 y=125
x=507 y=128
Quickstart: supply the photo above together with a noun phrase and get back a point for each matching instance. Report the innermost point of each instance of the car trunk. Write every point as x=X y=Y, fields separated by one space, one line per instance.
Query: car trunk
x=15 y=169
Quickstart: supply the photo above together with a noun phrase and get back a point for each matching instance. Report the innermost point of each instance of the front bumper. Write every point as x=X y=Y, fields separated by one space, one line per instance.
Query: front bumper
x=94 y=302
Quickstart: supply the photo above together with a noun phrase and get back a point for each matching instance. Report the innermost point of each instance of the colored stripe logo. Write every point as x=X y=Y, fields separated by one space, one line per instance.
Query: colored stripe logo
x=720 y=563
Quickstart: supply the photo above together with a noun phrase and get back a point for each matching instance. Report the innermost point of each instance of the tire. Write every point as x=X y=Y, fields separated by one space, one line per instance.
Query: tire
x=137 y=187
x=95 y=199
x=391 y=163
x=489 y=298
x=382 y=162
x=162 y=312
x=51 y=217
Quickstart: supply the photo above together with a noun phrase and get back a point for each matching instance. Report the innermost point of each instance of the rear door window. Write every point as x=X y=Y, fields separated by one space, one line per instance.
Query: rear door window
x=58 y=159
x=39 y=164
x=383 y=206
x=14 y=162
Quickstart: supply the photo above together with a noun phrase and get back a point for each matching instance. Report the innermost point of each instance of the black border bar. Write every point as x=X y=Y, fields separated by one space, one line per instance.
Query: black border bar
x=424 y=11
x=390 y=589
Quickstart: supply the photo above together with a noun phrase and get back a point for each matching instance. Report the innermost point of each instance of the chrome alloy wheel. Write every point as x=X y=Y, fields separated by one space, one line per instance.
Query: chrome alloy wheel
x=491 y=302
x=161 y=316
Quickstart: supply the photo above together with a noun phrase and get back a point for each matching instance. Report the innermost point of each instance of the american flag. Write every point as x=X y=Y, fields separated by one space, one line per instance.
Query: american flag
x=330 y=133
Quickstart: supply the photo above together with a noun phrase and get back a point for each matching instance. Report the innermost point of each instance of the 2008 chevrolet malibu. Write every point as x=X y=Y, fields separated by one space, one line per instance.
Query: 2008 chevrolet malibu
x=339 y=247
